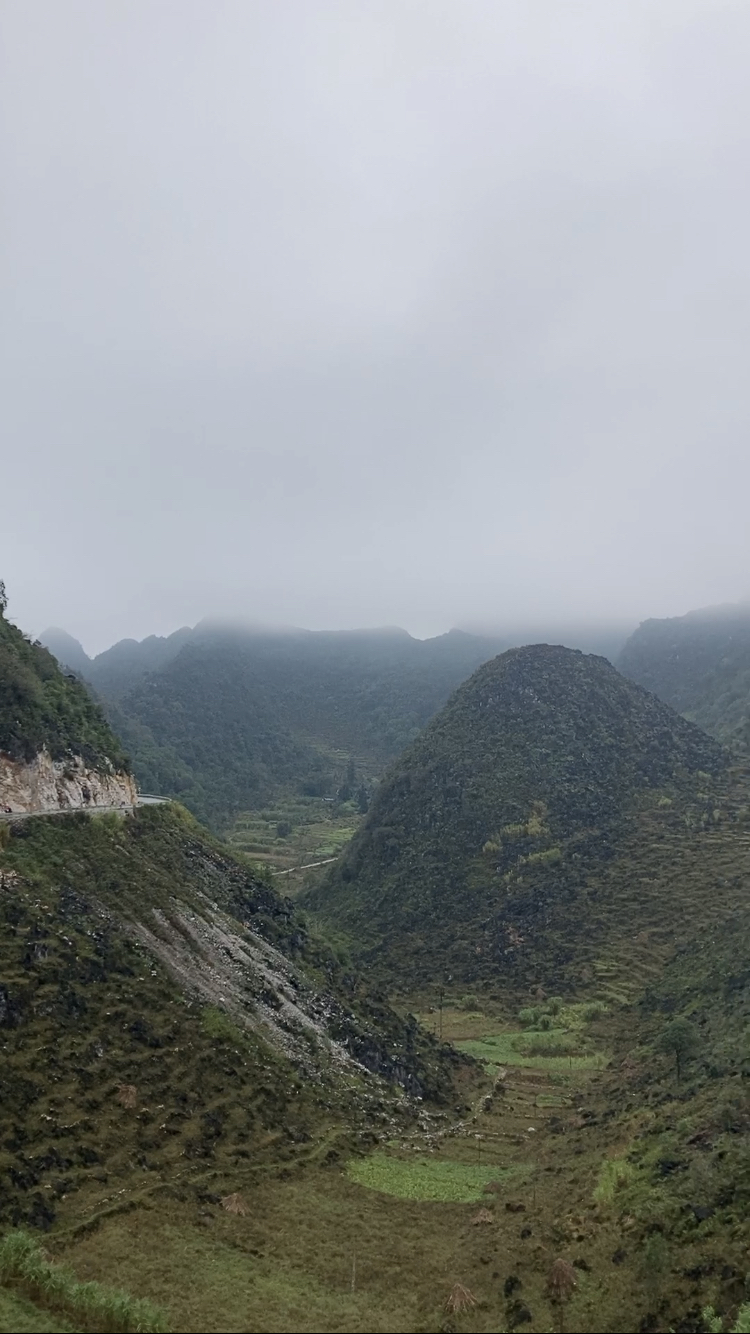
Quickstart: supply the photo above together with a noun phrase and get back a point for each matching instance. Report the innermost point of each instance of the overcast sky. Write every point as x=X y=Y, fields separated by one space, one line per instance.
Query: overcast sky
x=371 y=312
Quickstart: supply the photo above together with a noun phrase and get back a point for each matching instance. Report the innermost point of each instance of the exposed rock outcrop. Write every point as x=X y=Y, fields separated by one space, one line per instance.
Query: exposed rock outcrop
x=44 y=784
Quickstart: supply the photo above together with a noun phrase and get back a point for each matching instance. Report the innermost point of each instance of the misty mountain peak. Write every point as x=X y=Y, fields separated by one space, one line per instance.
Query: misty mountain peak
x=543 y=753
x=68 y=650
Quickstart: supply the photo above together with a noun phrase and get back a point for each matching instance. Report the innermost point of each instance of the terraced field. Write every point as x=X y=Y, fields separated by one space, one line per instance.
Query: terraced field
x=295 y=832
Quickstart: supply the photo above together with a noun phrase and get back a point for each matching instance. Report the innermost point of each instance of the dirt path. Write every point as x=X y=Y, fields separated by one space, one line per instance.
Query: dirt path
x=292 y=870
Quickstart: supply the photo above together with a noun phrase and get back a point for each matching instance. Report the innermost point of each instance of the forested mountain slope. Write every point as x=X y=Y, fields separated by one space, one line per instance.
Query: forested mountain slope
x=700 y=664
x=117 y=669
x=42 y=709
x=237 y=715
x=227 y=718
x=485 y=831
x=560 y=844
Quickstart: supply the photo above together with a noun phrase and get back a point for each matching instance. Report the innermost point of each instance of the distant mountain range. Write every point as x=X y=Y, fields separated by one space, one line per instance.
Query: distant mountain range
x=223 y=717
x=700 y=664
x=118 y=668
x=227 y=717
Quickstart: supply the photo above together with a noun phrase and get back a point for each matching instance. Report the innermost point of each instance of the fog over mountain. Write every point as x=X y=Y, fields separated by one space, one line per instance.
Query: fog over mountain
x=396 y=313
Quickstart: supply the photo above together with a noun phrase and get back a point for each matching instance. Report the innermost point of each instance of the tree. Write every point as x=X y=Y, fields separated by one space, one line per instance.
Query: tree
x=3 y=597
x=678 y=1039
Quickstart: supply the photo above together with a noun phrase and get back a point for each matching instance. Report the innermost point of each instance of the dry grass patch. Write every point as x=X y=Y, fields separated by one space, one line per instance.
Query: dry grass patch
x=459 y=1299
x=234 y=1204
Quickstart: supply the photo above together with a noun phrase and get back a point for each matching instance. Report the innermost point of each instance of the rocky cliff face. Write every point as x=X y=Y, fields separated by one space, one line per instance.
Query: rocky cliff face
x=44 y=784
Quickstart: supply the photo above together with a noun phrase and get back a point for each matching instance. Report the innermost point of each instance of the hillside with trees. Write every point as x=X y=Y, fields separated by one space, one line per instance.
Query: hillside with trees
x=225 y=718
x=42 y=709
x=173 y=1034
x=208 y=1104
x=230 y=719
x=560 y=846
x=700 y=664
x=485 y=829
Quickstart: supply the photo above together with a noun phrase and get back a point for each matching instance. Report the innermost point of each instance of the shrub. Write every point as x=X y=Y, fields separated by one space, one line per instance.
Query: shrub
x=548 y=856
x=549 y=1045
x=511 y=832
x=218 y=1025
x=614 y=1174
x=655 y=1261
x=714 y=1323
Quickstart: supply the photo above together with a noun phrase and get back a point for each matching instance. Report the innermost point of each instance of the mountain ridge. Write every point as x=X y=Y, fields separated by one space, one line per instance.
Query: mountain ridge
x=229 y=717
x=700 y=664
x=525 y=775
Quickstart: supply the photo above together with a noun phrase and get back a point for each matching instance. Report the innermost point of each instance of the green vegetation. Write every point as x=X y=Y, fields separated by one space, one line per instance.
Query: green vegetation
x=559 y=753
x=422 y=1178
x=217 y=1024
x=678 y=1039
x=700 y=664
x=40 y=708
x=294 y=832
x=560 y=866
x=117 y=975
x=229 y=720
x=714 y=1323
x=19 y=1315
x=91 y=1305
x=550 y=1052
x=614 y=1174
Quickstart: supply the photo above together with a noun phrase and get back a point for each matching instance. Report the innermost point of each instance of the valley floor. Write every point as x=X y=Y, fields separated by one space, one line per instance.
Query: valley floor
x=486 y=1195
x=295 y=838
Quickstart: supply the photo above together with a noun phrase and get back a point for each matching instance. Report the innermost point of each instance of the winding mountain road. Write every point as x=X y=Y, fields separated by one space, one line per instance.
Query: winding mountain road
x=12 y=817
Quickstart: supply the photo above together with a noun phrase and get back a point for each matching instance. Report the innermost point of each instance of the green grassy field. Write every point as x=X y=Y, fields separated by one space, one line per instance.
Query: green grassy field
x=364 y=1242
x=549 y=1051
x=486 y=1193
x=294 y=832
x=19 y=1314
x=423 y=1178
